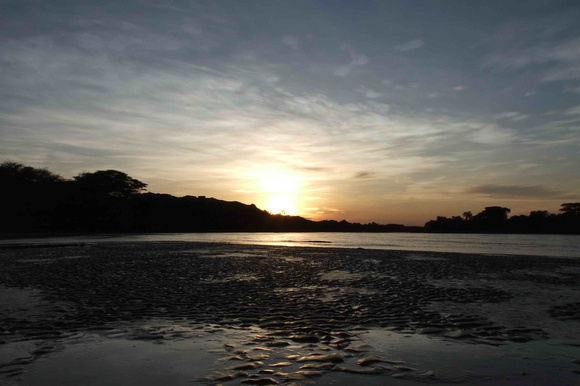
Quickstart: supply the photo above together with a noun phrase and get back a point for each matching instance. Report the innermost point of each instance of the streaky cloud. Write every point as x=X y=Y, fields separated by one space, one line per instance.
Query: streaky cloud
x=356 y=59
x=522 y=191
x=363 y=175
x=291 y=41
x=410 y=45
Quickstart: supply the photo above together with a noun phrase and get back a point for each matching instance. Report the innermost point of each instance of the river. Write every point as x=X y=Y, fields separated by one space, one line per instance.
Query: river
x=496 y=244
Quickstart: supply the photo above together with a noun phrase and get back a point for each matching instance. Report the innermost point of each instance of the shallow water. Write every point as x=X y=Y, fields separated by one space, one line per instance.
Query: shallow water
x=99 y=360
x=499 y=244
x=205 y=356
x=180 y=313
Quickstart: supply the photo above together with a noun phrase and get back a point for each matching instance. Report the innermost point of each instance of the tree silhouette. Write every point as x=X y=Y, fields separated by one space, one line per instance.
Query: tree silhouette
x=16 y=173
x=493 y=214
x=570 y=208
x=29 y=196
x=111 y=183
x=570 y=217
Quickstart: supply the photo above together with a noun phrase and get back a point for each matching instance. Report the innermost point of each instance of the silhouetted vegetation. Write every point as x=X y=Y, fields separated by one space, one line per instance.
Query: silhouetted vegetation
x=37 y=200
x=494 y=219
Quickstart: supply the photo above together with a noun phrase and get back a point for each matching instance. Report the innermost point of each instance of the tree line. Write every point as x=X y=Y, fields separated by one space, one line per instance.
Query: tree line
x=38 y=200
x=494 y=219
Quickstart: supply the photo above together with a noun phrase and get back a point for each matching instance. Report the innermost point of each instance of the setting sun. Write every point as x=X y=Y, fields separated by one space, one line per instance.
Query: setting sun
x=281 y=204
x=280 y=193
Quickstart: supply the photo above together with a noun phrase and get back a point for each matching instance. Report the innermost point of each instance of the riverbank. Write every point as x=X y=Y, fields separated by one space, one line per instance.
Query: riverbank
x=213 y=313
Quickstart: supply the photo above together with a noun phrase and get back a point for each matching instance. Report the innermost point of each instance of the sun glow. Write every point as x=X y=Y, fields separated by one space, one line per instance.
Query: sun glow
x=280 y=194
x=281 y=205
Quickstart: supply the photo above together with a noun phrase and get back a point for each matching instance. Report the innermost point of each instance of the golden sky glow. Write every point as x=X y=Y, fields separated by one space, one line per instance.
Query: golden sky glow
x=279 y=193
x=385 y=111
x=282 y=204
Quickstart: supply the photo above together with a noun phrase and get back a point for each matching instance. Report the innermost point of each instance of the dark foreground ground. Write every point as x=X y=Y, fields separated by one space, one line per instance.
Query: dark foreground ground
x=269 y=315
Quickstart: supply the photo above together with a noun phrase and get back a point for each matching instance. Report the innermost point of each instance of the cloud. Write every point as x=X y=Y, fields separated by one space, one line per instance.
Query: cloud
x=516 y=59
x=511 y=115
x=573 y=89
x=486 y=133
x=356 y=59
x=534 y=42
x=218 y=104
x=557 y=134
x=364 y=175
x=291 y=41
x=521 y=117
x=204 y=115
x=410 y=45
x=563 y=72
x=573 y=110
x=507 y=114
x=568 y=51
x=343 y=70
x=568 y=57
x=373 y=94
x=224 y=123
x=315 y=169
x=517 y=191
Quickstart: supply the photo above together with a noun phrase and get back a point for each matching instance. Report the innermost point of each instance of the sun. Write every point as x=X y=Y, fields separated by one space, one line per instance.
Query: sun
x=281 y=205
x=280 y=193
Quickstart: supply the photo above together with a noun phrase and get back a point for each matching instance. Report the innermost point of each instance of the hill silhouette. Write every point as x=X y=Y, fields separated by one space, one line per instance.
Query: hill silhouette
x=40 y=201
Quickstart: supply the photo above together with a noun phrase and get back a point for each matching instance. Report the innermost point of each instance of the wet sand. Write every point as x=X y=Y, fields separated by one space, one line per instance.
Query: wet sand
x=194 y=313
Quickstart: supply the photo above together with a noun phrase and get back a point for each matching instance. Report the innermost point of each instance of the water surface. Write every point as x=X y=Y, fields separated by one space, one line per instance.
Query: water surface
x=497 y=244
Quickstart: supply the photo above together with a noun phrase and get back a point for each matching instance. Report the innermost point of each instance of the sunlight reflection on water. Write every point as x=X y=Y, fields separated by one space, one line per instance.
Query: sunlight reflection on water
x=497 y=244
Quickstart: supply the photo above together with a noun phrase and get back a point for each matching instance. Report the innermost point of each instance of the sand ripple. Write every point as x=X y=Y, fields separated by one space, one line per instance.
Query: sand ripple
x=313 y=305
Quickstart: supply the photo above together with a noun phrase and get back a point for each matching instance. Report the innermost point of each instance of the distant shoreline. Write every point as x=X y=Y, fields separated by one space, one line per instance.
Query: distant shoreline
x=44 y=235
x=110 y=201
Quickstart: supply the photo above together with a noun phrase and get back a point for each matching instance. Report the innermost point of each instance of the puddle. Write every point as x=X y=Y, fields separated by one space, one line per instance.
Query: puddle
x=424 y=258
x=26 y=303
x=237 y=277
x=345 y=276
x=291 y=259
x=337 y=294
x=167 y=352
x=49 y=260
x=438 y=360
x=233 y=254
x=528 y=306
x=103 y=361
x=208 y=253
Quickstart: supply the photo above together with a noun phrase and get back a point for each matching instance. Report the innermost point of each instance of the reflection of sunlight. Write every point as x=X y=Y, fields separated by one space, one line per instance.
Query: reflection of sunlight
x=281 y=204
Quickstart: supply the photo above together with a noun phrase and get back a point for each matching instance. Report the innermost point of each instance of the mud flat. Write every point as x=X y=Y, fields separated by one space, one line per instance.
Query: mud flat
x=194 y=313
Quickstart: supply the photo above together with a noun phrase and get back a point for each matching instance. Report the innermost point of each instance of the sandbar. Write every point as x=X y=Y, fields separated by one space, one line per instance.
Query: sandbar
x=146 y=313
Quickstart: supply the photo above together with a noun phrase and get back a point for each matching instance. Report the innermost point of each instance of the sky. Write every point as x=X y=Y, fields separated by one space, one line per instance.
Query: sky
x=384 y=111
